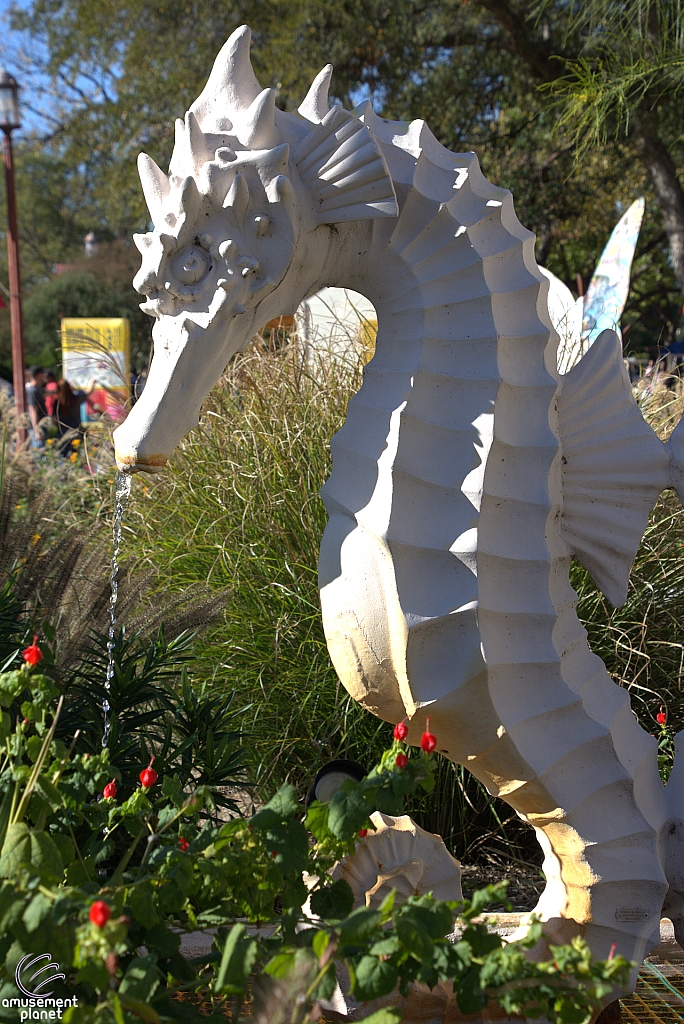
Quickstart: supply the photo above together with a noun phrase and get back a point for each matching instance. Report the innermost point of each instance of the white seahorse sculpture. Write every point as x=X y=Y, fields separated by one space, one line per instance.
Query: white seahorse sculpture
x=467 y=474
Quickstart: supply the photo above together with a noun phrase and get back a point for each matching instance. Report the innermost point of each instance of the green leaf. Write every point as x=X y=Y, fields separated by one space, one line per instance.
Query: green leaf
x=436 y=916
x=166 y=814
x=280 y=965
x=179 y=968
x=291 y=845
x=65 y=847
x=34 y=851
x=36 y=912
x=95 y=974
x=333 y=902
x=360 y=927
x=285 y=803
x=161 y=941
x=172 y=789
x=469 y=996
x=170 y=899
x=116 y=1006
x=77 y=1015
x=33 y=745
x=481 y=939
x=386 y=908
x=295 y=893
x=237 y=961
x=77 y=873
x=386 y=947
x=349 y=811
x=264 y=819
x=325 y=989
x=139 y=1008
x=5 y=726
x=414 y=936
x=11 y=685
x=388 y=1016
x=141 y=905
x=374 y=978
x=141 y=979
x=319 y=943
x=317 y=821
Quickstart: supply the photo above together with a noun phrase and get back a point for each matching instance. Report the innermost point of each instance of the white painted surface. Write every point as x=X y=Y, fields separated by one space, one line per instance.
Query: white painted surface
x=466 y=476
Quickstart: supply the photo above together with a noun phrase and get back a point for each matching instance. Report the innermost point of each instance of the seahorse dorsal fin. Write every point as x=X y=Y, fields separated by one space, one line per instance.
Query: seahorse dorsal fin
x=614 y=466
x=344 y=170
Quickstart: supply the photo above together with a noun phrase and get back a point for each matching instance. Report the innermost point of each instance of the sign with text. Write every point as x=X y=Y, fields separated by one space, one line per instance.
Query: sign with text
x=99 y=349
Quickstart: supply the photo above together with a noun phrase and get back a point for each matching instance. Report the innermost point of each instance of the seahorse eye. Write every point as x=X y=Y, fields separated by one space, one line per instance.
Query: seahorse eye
x=190 y=265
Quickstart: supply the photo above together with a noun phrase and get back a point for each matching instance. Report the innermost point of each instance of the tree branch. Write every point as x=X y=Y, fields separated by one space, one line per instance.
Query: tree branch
x=668 y=191
x=518 y=40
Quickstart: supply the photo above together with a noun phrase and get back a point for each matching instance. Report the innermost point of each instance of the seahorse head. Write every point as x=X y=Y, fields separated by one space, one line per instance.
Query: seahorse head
x=247 y=183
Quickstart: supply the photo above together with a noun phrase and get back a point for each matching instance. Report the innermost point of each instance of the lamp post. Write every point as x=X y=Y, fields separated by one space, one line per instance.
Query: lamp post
x=9 y=120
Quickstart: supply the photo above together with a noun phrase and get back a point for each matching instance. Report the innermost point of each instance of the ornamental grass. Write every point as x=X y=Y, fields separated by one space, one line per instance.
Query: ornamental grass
x=239 y=508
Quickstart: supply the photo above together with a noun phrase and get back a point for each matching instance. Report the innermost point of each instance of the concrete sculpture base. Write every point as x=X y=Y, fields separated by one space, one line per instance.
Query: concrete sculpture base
x=467 y=476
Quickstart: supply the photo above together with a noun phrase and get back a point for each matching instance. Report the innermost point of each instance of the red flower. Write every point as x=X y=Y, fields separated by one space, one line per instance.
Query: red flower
x=611 y=953
x=401 y=761
x=401 y=731
x=661 y=717
x=99 y=913
x=183 y=843
x=428 y=740
x=109 y=792
x=274 y=853
x=363 y=832
x=148 y=776
x=33 y=654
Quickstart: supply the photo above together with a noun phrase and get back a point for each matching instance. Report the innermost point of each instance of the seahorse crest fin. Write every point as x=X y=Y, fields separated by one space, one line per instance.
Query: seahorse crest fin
x=614 y=466
x=341 y=164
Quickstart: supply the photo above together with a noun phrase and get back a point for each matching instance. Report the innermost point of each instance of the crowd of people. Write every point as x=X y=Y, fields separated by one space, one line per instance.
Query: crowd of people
x=54 y=409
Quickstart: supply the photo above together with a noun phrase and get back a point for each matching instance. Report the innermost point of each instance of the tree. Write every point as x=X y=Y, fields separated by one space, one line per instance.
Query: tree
x=496 y=76
x=625 y=79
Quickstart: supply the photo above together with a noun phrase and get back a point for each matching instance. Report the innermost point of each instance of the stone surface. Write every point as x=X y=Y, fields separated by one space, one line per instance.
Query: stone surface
x=402 y=856
x=466 y=477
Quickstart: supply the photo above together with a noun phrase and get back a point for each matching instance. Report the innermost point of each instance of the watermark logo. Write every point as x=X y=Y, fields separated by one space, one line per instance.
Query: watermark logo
x=31 y=978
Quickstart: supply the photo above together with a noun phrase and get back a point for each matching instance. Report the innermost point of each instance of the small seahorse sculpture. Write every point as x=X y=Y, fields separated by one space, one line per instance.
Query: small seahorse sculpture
x=466 y=477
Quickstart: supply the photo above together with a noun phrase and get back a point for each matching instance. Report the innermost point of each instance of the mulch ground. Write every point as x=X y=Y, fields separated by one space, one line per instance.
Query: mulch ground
x=525 y=882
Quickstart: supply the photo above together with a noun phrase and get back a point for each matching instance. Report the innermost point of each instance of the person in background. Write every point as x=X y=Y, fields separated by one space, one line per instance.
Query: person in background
x=35 y=403
x=68 y=411
x=49 y=392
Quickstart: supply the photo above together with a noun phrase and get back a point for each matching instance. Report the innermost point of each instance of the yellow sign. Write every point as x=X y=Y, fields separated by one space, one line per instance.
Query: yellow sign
x=99 y=349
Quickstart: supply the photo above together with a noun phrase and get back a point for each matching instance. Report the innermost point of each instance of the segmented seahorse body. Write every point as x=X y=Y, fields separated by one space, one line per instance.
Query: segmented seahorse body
x=466 y=477
x=444 y=567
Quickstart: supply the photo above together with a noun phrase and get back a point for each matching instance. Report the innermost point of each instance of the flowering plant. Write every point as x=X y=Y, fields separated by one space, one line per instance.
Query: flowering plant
x=108 y=884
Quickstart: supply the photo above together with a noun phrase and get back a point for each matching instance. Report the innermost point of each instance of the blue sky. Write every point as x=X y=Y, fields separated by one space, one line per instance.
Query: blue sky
x=12 y=49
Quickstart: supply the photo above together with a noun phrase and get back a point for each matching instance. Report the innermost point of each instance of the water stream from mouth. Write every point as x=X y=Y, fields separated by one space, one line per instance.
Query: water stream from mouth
x=123 y=490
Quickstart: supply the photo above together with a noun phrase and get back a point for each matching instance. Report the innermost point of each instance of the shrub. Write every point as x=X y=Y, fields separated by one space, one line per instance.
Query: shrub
x=91 y=875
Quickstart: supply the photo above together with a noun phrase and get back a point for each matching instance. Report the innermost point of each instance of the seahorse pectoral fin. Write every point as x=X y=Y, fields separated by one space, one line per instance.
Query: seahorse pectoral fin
x=614 y=466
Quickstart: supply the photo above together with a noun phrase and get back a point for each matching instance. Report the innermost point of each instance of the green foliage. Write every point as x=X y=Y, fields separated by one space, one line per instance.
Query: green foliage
x=76 y=294
x=629 y=63
x=471 y=70
x=239 y=508
x=67 y=855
